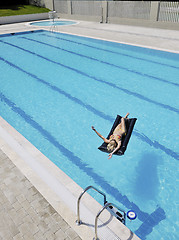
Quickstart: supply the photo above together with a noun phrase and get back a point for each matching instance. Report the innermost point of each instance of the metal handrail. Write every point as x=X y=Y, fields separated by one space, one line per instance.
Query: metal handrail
x=106 y=205
x=78 y=221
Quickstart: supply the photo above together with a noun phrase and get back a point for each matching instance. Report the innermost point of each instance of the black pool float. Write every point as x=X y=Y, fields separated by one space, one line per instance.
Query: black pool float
x=129 y=122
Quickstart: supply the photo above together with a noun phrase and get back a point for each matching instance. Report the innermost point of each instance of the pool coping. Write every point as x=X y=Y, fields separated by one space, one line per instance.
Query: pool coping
x=64 y=199
x=32 y=23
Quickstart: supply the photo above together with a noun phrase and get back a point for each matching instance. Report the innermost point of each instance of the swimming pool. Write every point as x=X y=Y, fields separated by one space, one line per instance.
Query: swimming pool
x=51 y=23
x=55 y=86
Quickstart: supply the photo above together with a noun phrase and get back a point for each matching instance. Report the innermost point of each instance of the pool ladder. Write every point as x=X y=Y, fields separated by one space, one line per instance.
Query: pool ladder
x=112 y=208
x=52 y=15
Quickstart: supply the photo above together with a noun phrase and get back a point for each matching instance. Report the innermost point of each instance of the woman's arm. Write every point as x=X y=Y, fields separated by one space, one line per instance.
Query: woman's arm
x=104 y=139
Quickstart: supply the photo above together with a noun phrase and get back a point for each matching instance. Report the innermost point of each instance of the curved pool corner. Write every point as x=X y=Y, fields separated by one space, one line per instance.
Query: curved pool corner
x=53 y=23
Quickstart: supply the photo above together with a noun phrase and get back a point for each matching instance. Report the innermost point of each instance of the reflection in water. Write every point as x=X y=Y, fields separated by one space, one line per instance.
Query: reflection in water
x=146 y=184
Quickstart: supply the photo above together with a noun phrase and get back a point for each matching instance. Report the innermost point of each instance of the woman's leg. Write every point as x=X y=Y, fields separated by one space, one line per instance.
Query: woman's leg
x=126 y=115
x=123 y=125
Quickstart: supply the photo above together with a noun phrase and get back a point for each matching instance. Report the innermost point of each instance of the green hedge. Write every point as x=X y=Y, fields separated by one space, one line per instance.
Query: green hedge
x=11 y=10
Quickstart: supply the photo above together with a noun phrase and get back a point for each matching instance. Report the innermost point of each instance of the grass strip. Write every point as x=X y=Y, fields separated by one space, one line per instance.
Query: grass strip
x=21 y=10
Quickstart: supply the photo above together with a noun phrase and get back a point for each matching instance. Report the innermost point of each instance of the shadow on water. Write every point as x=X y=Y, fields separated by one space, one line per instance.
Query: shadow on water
x=147 y=182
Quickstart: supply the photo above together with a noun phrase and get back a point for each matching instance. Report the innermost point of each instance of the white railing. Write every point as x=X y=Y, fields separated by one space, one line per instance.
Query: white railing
x=129 y=9
x=156 y=11
x=169 y=12
x=87 y=8
x=61 y=6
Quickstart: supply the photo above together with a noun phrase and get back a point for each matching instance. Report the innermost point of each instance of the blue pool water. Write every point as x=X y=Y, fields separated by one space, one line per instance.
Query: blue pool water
x=50 y=23
x=54 y=86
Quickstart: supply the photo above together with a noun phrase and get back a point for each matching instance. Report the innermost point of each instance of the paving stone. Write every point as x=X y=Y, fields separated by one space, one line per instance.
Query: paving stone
x=67 y=238
x=33 y=214
x=50 y=210
x=44 y=215
x=54 y=227
x=21 y=213
x=77 y=238
x=33 y=227
x=7 y=206
x=27 y=219
x=16 y=205
x=63 y=225
x=26 y=183
x=12 y=213
x=43 y=226
x=49 y=235
x=60 y=235
x=24 y=213
x=29 y=236
x=35 y=204
x=26 y=205
x=43 y=203
x=30 y=198
x=24 y=228
x=18 y=237
x=32 y=190
x=10 y=196
x=13 y=229
x=2 y=186
x=37 y=234
x=57 y=217
x=7 y=181
x=18 y=221
x=20 y=198
x=70 y=233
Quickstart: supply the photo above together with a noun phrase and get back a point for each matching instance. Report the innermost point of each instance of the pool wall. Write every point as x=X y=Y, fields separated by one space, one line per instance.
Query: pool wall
x=58 y=189
x=23 y=18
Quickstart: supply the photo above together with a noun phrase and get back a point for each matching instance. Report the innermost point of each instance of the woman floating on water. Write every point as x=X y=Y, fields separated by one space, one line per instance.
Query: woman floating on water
x=114 y=141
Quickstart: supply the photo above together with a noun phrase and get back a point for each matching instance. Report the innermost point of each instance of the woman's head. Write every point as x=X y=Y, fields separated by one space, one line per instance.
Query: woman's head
x=111 y=145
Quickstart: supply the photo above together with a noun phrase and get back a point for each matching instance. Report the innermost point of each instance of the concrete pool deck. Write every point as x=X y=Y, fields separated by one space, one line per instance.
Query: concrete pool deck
x=29 y=207
x=156 y=38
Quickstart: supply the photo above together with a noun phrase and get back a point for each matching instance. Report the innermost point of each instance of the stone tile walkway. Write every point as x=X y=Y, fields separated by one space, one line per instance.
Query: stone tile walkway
x=24 y=213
